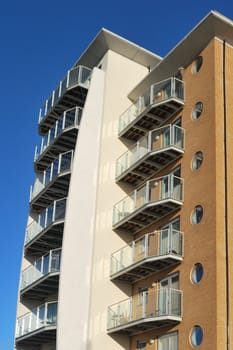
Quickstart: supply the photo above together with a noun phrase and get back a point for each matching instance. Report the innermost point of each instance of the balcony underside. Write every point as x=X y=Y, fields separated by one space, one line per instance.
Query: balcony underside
x=151 y=118
x=146 y=267
x=145 y=325
x=47 y=239
x=71 y=98
x=149 y=165
x=64 y=142
x=40 y=336
x=42 y=288
x=56 y=189
x=147 y=215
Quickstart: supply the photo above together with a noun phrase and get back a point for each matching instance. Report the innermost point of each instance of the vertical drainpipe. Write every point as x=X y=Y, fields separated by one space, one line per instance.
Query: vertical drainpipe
x=226 y=198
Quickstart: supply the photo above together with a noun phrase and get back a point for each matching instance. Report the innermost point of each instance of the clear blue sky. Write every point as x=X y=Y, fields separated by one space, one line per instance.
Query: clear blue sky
x=39 y=41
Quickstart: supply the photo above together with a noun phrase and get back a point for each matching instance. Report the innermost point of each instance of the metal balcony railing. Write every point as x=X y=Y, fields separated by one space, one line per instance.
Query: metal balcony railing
x=148 y=254
x=76 y=76
x=159 y=146
x=42 y=317
x=55 y=212
x=47 y=264
x=60 y=165
x=168 y=93
x=149 y=203
x=151 y=309
x=70 y=118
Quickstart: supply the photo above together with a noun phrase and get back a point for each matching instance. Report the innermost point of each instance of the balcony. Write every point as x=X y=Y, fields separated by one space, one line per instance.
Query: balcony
x=46 y=231
x=146 y=311
x=37 y=327
x=150 y=154
x=159 y=103
x=60 y=138
x=70 y=92
x=148 y=204
x=40 y=280
x=149 y=254
x=53 y=183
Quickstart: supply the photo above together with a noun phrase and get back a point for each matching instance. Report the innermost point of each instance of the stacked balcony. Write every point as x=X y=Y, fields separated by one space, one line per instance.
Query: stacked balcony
x=46 y=231
x=40 y=280
x=150 y=154
x=59 y=139
x=145 y=311
x=159 y=103
x=37 y=327
x=70 y=92
x=53 y=183
x=147 y=204
x=147 y=255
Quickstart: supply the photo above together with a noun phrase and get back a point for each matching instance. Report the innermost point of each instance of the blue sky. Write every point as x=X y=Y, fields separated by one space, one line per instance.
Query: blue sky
x=38 y=43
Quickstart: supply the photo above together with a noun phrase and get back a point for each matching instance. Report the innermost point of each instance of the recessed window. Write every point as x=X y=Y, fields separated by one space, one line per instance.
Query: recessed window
x=197 y=160
x=196 y=336
x=197 y=110
x=197 y=214
x=197 y=64
x=197 y=273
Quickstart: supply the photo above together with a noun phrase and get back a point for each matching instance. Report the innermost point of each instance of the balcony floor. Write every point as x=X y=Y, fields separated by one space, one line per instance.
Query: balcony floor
x=72 y=97
x=66 y=141
x=40 y=336
x=151 y=118
x=56 y=189
x=149 y=165
x=146 y=267
x=146 y=324
x=146 y=215
x=41 y=288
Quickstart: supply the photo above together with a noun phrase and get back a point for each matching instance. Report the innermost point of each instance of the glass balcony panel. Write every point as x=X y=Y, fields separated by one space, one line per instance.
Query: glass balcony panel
x=73 y=77
x=85 y=74
x=55 y=260
x=52 y=136
x=178 y=135
x=56 y=94
x=65 y=162
x=60 y=209
x=47 y=177
x=43 y=110
x=45 y=264
x=50 y=103
x=50 y=210
x=55 y=168
x=42 y=218
x=141 y=197
x=179 y=89
x=41 y=316
x=129 y=115
x=123 y=208
x=51 y=314
x=69 y=118
x=63 y=85
x=145 y=100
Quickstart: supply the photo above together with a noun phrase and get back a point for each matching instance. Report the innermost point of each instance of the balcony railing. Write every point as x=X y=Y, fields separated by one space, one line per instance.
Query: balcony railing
x=145 y=311
x=42 y=318
x=69 y=119
x=159 y=147
x=161 y=100
x=145 y=205
x=76 y=76
x=148 y=254
x=47 y=264
x=60 y=165
x=55 y=212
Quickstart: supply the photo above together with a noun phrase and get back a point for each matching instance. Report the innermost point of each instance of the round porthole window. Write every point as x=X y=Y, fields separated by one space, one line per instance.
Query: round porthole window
x=197 y=273
x=197 y=214
x=197 y=64
x=196 y=336
x=197 y=160
x=197 y=110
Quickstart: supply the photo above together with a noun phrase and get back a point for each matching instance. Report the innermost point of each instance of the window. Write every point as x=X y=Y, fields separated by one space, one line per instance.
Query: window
x=197 y=160
x=143 y=295
x=197 y=273
x=141 y=344
x=196 y=336
x=168 y=341
x=197 y=64
x=197 y=214
x=197 y=110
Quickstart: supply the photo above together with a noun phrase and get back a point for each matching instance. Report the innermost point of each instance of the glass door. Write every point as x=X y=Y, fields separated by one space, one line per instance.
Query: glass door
x=169 y=238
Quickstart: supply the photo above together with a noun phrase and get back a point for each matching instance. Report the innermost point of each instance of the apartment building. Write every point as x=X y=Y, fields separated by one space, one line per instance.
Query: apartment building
x=129 y=239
